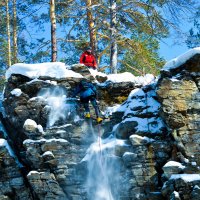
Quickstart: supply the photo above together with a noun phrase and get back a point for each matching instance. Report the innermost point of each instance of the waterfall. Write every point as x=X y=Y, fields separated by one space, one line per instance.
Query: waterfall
x=58 y=108
x=103 y=169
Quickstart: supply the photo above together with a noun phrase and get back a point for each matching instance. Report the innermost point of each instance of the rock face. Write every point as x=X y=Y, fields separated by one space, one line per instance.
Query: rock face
x=178 y=92
x=149 y=146
x=12 y=182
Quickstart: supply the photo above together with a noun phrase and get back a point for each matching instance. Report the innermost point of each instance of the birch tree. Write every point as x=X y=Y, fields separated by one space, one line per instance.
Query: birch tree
x=15 y=48
x=113 y=35
x=8 y=34
x=53 y=31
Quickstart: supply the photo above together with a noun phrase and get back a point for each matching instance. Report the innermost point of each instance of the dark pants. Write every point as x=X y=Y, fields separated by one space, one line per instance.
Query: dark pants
x=85 y=102
x=91 y=67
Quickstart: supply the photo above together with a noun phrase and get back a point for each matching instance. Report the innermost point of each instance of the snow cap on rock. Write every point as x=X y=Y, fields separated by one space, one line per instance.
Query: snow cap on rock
x=30 y=125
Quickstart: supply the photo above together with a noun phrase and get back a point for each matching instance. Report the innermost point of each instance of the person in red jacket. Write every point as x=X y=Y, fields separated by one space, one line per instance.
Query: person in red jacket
x=88 y=59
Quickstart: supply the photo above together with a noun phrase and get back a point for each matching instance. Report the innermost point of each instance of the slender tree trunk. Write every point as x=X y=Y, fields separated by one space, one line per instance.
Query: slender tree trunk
x=53 y=31
x=113 y=30
x=8 y=34
x=92 y=30
x=15 y=49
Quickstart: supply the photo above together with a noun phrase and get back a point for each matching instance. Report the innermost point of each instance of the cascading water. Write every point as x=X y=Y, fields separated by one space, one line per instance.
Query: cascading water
x=103 y=166
x=58 y=109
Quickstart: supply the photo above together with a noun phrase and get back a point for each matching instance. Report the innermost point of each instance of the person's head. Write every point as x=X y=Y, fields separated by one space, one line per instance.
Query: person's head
x=89 y=50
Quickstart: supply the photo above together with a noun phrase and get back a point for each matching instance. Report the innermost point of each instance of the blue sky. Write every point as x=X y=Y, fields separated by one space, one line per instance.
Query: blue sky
x=169 y=50
x=175 y=45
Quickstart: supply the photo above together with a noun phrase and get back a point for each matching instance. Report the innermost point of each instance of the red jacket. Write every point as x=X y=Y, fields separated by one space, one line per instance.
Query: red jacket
x=88 y=60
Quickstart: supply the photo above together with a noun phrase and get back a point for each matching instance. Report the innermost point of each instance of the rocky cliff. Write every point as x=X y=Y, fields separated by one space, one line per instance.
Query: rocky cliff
x=147 y=147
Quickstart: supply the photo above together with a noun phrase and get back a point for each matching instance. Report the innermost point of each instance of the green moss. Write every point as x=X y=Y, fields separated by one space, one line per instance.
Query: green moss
x=121 y=99
x=2 y=83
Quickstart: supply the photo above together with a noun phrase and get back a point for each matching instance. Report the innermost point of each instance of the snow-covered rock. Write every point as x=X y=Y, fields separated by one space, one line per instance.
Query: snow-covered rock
x=30 y=125
x=172 y=167
x=56 y=70
x=17 y=92
x=181 y=60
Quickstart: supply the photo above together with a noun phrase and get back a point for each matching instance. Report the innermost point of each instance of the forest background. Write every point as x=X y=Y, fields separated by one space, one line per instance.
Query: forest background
x=124 y=35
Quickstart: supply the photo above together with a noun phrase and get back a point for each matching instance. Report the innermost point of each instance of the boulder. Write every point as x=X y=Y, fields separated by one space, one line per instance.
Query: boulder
x=172 y=167
x=45 y=185
x=32 y=130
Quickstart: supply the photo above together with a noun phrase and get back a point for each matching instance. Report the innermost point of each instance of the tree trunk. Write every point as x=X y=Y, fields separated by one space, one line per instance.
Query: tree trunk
x=53 y=31
x=15 y=49
x=8 y=34
x=113 y=33
x=92 y=30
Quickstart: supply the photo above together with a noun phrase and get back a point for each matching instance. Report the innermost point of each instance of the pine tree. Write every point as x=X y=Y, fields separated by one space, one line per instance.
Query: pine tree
x=91 y=26
x=193 y=39
x=142 y=56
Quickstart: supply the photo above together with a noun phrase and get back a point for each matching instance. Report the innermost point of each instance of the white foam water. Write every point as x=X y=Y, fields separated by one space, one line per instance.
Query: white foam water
x=103 y=166
x=56 y=100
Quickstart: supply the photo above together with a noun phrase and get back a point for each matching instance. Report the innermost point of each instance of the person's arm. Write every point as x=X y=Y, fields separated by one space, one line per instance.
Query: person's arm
x=94 y=62
x=82 y=58
x=93 y=88
x=76 y=91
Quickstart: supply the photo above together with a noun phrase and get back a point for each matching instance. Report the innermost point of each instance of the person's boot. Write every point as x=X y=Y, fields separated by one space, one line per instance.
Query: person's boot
x=87 y=115
x=99 y=119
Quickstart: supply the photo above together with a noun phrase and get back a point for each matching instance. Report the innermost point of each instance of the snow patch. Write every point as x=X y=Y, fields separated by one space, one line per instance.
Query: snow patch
x=128 y=77
x=176 y=194
x=176 y=62
x=33 y=173
x=174 y=164
x=46 y=81
x=196 y=187
x=30 y=123
x=140 y=138
x=29 y=141
x=48 y=153
x=40 y=128
x=4 y=143
x=39 y=98
x=125 y=77
x=148 y=125
x=59 y=127
x=138 y=92
x=186 y=177
x=50 y=69
x=96 y=73
x=16 y=92
x=194 y=163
